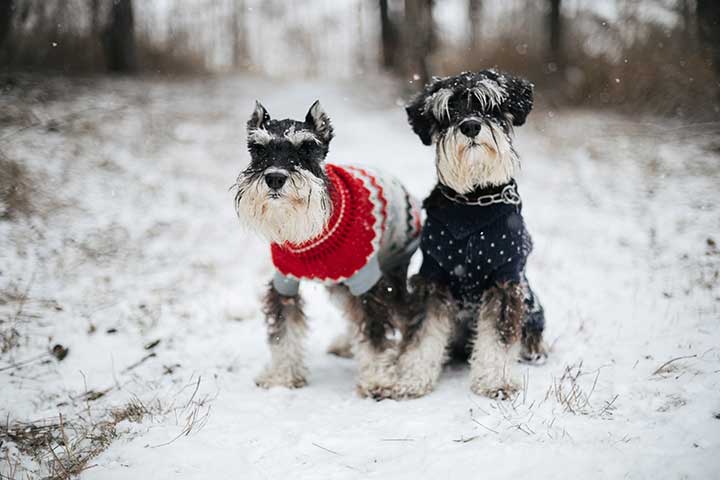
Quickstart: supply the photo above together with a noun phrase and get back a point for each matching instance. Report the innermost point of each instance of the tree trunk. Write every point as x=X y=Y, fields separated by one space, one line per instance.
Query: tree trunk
x=555 y=29
x=6 y=14
x=708 y=20
x=95 y=17
x=120 y=38
x=475 y=23
x=239 y=34
x=419 y=38
x=388 y=38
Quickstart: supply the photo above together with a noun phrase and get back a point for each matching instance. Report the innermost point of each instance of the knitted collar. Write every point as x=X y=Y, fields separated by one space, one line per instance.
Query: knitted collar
x=351 y=237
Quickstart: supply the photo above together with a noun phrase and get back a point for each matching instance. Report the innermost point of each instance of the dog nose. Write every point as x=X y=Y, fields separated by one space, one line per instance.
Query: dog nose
x=275 y=180
x=470 y=128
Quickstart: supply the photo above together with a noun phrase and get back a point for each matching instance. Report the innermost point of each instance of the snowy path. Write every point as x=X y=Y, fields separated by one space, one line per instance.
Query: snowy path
x=139 y=237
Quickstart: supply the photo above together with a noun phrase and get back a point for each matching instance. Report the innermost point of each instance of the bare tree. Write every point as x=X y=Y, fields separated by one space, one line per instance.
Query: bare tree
x=119 y=37
x=685 y=11
x=95 y=17
x=475 y=23
x=419 y=37
x=239 y=34
x=6 y=11
x=389 y=38
x=708 y=19
x=555 y=30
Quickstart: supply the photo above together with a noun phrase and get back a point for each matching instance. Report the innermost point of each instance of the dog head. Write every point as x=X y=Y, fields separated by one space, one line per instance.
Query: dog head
x=283 y=194
x=470 y=118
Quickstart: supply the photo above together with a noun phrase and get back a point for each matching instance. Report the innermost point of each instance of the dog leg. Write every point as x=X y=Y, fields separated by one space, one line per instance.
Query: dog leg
x=342 y=345
x=375 y=353
x=497 y=342
x=533 y=350
x=286 y=332
x=377 y=372
x=425 y=349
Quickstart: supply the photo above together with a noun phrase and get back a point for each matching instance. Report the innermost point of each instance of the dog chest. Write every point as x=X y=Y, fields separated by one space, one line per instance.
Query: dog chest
x=470 y=247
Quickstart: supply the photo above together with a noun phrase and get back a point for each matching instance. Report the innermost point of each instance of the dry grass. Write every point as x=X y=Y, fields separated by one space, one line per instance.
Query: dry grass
x=62 y=447
x=16 y=190
x=575 y=396
x=569 y=395
x=14 y=299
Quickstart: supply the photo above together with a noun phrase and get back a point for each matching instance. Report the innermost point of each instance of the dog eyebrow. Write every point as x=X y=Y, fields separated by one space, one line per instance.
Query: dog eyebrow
x=300 y=136
x=438 y=103
x=489 y=93
x=259 y=135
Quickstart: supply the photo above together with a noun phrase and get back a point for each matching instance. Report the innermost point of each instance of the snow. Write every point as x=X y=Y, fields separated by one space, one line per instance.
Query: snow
x=139 y=235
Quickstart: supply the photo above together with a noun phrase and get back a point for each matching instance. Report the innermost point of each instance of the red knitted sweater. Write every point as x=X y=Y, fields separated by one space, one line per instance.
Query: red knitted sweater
x=351 y=236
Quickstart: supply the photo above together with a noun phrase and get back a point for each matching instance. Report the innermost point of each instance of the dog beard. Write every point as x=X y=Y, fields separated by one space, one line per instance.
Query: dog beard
x=296 y=213
x=465 y=163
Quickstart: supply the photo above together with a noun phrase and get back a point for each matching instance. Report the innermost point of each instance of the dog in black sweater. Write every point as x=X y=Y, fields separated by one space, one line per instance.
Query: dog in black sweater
x=472 y=296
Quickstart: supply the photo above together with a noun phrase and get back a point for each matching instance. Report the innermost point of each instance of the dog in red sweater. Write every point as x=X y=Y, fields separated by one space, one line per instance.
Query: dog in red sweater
x=350 y=228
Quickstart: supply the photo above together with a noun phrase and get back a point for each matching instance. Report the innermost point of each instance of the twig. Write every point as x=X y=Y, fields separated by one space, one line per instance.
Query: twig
x=140 y=362
x=660 y=368
x=24 y=296
x=587 y=399
x=466 y=440
x=553 y=422
x=609 y=405
x=326 y=449
x=57 y=459
x=478 y=406
x=529 y=431
x=24 y=362
x=486 y=428
x=192 y=397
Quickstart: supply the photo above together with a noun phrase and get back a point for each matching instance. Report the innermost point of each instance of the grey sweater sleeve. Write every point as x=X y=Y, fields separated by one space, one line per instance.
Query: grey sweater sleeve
x=285 y=286
x=365 y=278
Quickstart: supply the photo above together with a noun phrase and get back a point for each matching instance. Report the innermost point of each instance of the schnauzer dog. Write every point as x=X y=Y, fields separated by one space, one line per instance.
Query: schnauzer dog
x=351 y=228
x=476 y=301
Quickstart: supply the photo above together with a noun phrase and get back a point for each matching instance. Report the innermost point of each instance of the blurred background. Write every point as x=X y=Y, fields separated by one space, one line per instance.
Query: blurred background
x=656 y=56
x=126 y=278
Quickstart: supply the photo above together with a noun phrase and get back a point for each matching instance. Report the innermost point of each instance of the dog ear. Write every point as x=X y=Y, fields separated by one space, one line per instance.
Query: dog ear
x=421 y=119
x=259 y=117
x=320 y=122
x=520 y=99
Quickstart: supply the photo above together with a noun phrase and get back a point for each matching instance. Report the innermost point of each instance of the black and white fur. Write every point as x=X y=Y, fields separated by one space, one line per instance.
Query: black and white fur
x=284 y=196
x=469 y=119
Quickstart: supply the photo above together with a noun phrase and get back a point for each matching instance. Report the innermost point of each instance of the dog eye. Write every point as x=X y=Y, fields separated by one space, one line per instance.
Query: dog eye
x=309 y=146
x=256 y=148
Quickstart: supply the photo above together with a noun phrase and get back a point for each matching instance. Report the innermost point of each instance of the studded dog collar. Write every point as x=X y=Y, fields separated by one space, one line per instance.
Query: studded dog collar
x=507 y=194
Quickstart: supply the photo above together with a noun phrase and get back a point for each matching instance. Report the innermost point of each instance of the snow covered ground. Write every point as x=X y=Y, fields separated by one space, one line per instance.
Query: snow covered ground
x=135 y=240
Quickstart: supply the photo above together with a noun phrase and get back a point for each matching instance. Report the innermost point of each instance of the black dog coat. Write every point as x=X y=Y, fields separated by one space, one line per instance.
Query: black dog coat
x=472 y=247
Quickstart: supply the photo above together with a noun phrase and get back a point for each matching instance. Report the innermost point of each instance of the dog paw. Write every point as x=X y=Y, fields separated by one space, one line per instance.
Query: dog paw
x=502 y=391
x=415 y=379
x=341 y=347
x=378 y=386
x=375 y=391
x=274 y=378
x=408 y=391
x=534 y=355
